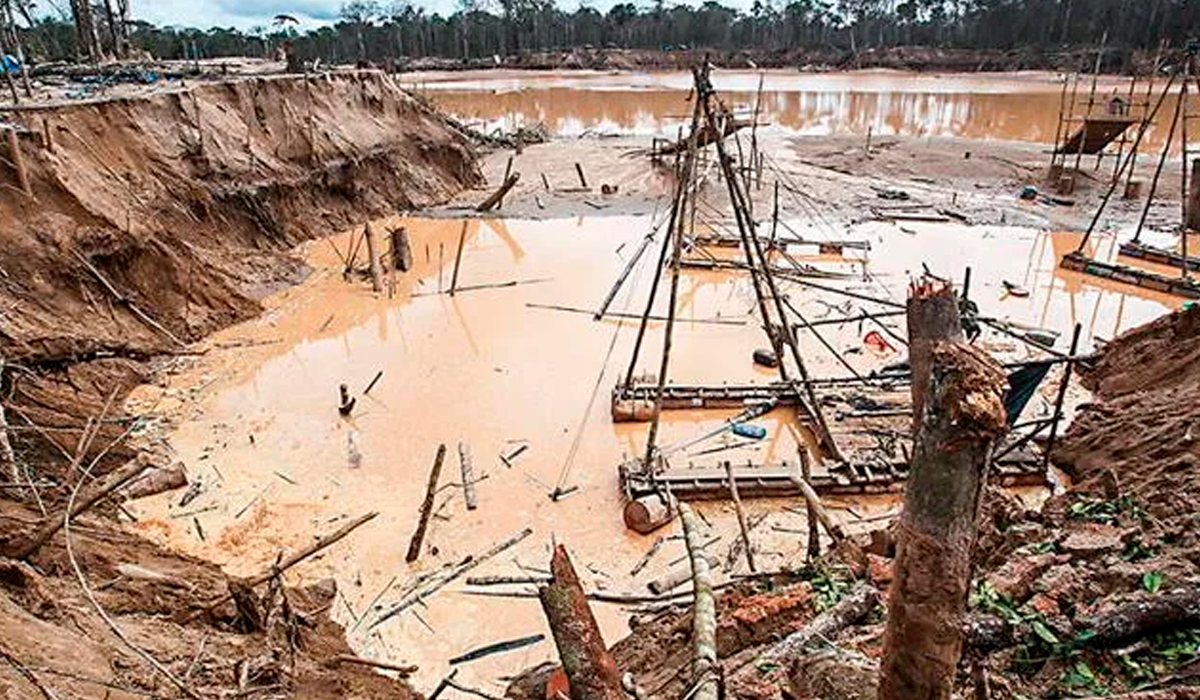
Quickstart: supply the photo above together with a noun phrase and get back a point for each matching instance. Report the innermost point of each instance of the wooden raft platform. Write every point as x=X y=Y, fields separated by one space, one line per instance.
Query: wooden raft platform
x=709 y=482
x=1160 y=256
x=1096 y=134
x=634 y=404
x=1145 y=279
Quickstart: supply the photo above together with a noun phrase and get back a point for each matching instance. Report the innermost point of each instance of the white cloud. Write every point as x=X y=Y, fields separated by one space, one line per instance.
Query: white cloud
x=234 y=13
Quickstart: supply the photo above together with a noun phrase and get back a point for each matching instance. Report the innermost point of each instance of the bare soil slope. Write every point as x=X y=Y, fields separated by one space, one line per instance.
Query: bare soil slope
x=159 y=219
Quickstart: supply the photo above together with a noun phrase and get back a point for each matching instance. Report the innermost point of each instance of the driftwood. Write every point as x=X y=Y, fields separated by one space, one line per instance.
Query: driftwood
x=414 y=545
x=468 y=564
x=675 y=577
x=491 y=202
x=156 y=481
x=467 y=466
x=279 y=568
x=23 y=548
x=704 y=612
x=963 y=418
x=853 y=607
x=590 y=668
x=373 y=258
x=404 y=671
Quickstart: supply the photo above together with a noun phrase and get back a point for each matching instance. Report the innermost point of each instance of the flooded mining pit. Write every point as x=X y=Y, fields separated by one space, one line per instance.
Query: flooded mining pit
x=523 y=375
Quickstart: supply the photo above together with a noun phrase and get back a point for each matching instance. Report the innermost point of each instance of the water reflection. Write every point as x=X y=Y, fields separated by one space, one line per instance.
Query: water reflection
x=893 y=106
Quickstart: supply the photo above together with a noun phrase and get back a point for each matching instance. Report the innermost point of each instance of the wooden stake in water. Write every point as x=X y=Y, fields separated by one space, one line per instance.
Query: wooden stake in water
x=414 y=545
x=462 y=239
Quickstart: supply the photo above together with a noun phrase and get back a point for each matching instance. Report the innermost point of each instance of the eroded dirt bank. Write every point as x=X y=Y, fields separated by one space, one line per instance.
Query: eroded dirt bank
x=151 y=223
x=184 y=204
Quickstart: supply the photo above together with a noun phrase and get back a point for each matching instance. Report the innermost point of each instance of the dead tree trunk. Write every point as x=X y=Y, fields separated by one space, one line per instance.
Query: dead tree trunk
x=591 y=670
x=963 y=417
x=932 y=317
x=1165 y=611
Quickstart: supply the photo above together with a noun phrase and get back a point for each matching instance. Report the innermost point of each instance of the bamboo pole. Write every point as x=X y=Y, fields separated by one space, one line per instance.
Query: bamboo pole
x=704 y=612
x=414 y=545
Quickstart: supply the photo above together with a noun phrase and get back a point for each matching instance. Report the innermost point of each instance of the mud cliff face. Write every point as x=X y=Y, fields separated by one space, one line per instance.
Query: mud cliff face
x=156 y=220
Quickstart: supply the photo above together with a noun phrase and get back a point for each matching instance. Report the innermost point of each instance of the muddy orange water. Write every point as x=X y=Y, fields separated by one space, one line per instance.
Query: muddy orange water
x=257 y=421
x=1006 y=106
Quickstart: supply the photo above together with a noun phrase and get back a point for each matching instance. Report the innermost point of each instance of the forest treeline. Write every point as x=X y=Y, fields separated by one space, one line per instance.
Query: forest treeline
x=381 y=32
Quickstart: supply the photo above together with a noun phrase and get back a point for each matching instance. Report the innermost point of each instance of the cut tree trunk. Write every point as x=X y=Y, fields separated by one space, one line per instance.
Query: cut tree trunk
x=590 y=668
x=373 y=262
x=647 y=514
x=1161 y=613
x=932 y=317
x=401 y=250
x=964 y=417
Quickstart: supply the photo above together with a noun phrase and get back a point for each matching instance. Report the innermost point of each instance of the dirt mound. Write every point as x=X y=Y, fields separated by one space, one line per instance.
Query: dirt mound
x=156 y=220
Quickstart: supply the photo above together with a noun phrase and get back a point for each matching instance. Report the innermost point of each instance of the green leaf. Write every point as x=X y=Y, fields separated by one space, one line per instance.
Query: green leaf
x=1041 y=630
x=1152 y=581
x=1084 y=636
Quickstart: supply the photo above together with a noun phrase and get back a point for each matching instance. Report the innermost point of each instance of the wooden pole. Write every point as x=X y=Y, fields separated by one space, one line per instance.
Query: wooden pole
x=836 y=533
x=963 y=420
x=582 y=179
x=1062 y=395
x=592 y=672
x=467 y=466
x=462 y=239
x=373 y=254
x=741 y=516
x=498 y=196
x=704 y=612
x=1162 y=161
x=814 y=534
x=414 y=546
x=633 y=261
x=507 y=173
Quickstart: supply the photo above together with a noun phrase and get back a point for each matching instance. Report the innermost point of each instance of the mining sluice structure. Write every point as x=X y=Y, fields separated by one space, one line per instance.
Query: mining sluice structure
x=1182 y=284
x=859 y=426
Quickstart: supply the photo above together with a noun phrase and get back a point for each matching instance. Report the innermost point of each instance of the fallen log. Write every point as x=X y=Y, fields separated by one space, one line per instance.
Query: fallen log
x=675 y=577
x=414 y=545
x=590 y=668
x=1179 y=609
x=705 y=668
x=24 y=547
x=963 y=418
x=404 y=671
x=853 y=607
x=156 y=481
x=649 y=513
x=491 y=202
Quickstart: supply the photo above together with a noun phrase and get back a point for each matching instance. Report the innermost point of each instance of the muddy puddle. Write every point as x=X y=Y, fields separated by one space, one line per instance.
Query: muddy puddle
x=1008 y=107
x=256 y=421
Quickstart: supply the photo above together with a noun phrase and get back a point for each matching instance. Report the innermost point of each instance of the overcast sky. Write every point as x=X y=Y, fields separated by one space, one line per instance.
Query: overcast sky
x=249 y=13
